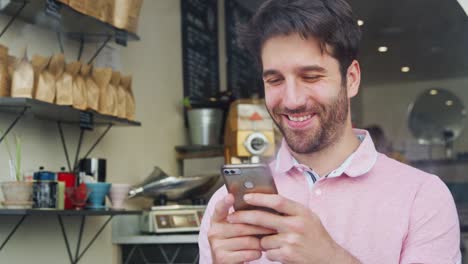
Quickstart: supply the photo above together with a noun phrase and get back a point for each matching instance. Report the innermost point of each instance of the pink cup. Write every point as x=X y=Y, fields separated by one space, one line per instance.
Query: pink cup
x=118 y=194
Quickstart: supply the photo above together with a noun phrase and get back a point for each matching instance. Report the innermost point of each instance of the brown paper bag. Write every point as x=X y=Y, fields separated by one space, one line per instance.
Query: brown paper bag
x=113 y=86
x=80 y=98
x=44 y=81
x=93 y=7
x=106 y=11
x=57 y=65
x=79 y=5
x=126 y=14
x=122 y=98
x=23 y=78
x=102 y=77
x=64 y=85
x=12 y=61
x=92 y=90
x=4 y=78
x=130 y=99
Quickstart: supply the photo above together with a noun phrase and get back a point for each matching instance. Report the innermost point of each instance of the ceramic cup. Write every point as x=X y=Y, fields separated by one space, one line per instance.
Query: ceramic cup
x=17 y=191
x=97 y=197
x=118 y=194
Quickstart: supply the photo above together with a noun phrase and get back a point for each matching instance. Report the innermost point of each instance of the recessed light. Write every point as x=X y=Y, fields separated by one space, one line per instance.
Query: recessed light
x=360 y=22
x=434 y=92
x=382 y=49
x=405 y=69
x=449 y=103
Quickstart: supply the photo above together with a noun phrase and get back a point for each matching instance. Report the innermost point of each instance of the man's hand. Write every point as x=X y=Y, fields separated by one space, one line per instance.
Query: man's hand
x=233 y=243
x=300 y=238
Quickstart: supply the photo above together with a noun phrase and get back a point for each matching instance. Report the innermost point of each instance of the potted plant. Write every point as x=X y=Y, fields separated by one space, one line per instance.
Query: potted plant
x=16 y=192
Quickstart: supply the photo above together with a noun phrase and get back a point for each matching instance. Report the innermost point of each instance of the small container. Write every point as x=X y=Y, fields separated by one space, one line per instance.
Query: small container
x=45 y=194
x=97 y=197
x=61 y=195
x=70 y=181
x=43 y=175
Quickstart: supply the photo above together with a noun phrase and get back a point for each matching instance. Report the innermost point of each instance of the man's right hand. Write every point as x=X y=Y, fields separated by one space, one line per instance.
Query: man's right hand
x=233 y=243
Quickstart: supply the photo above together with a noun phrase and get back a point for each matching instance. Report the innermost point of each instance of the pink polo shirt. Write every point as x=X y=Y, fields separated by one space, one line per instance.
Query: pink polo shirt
x=379 y=210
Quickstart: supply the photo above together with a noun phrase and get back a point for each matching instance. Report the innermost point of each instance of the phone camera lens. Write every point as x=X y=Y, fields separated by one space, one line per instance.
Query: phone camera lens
x=226 y=172
x=232 y=172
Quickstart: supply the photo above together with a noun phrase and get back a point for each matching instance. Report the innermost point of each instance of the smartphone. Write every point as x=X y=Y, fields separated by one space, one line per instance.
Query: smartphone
x=241 y=179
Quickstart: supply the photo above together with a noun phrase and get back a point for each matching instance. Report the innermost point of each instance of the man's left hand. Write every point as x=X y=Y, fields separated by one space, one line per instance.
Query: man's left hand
x=301 y=237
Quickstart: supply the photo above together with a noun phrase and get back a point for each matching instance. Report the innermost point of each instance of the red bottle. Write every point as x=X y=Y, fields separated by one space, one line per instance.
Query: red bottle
x=70 y=181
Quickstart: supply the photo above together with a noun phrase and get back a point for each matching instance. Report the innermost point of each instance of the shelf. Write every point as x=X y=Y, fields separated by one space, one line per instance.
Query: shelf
x=76 y=255
x=199 y=151
x=53 y=112
x=157 y=239
x=67 y=21
x=54 y=212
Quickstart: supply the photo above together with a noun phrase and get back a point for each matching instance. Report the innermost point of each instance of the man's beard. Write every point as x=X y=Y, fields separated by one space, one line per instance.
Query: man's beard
x=331 y=117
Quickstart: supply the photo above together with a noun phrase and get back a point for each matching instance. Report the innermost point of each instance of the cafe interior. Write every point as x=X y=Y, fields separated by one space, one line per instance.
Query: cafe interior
x=88 y=179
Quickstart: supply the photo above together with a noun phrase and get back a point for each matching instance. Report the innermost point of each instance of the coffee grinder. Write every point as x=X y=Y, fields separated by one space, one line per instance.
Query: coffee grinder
x=249 y=132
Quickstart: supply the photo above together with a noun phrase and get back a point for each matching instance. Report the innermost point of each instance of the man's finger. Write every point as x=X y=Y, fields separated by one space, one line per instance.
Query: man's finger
x=239 y=230
x=239 y=256
x=275 y=202
x=239 y=243
x=258 y=218
x=222 y=208
x=272 y=242
x=275 y=255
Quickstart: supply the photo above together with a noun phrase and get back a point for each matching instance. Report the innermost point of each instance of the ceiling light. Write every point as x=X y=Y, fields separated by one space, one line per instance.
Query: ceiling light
x=360 y=22
x=433 y=92
x=382 y=49
x=449 y=103
x=405 y=69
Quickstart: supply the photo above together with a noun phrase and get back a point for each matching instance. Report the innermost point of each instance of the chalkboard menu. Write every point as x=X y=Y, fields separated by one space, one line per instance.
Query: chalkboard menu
x=243 y=78
x=200 y=48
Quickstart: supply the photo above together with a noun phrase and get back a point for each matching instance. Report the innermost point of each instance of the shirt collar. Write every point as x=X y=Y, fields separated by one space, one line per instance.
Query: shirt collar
x=365 y=157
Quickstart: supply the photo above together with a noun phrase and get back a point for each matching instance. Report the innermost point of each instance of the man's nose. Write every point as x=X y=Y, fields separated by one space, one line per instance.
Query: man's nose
x=293 y=96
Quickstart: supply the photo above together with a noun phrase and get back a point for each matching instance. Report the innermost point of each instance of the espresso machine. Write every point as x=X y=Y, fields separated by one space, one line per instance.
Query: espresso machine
x=249 y=132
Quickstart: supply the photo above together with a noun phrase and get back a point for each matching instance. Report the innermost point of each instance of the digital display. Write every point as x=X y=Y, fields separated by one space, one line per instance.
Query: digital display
x=181 y=220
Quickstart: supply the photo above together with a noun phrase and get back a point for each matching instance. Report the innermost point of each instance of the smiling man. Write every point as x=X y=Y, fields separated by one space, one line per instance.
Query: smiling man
x=340 y=200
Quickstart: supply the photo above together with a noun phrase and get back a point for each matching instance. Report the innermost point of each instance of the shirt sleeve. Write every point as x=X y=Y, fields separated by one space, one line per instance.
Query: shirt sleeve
x=203 y=243
x=434 y=232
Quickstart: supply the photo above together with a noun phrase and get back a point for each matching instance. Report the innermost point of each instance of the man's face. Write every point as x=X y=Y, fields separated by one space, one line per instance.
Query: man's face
x=304 y=93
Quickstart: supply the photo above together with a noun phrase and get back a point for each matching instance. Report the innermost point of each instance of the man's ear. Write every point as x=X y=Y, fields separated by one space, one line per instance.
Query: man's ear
x=353 y=79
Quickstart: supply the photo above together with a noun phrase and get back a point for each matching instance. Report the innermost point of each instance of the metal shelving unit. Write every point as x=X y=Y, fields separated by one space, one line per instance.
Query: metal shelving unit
x=86 y=120
x=24 y=213
x=66 y=22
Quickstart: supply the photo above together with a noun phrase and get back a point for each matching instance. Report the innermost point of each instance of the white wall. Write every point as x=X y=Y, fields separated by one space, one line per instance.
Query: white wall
x=156 y=65
x=387 y=106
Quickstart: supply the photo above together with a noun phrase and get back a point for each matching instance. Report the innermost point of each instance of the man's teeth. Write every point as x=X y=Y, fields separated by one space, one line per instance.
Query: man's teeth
x=299 y=118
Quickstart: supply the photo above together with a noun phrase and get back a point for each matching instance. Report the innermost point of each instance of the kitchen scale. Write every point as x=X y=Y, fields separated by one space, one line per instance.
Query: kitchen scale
x=168 y=219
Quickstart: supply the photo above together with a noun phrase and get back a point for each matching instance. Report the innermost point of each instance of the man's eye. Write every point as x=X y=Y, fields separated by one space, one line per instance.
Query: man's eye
x=274 y=81
x=311 y=78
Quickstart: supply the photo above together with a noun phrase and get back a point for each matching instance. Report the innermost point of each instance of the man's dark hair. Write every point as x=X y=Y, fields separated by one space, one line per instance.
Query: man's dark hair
x=330 y=21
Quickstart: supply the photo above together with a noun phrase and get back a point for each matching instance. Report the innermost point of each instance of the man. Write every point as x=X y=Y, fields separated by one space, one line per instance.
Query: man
x=340 y=200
